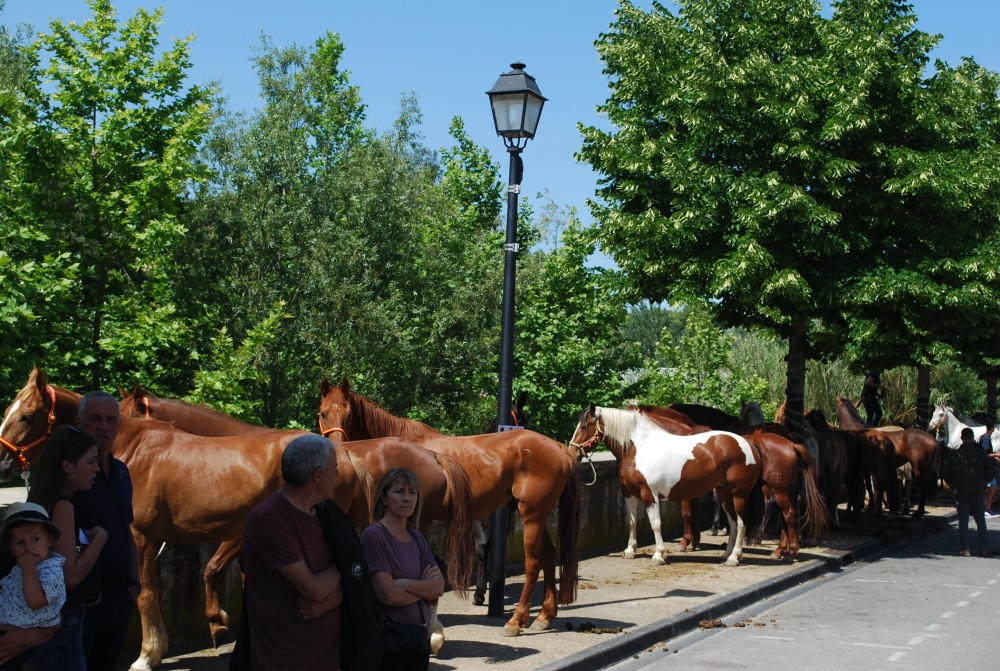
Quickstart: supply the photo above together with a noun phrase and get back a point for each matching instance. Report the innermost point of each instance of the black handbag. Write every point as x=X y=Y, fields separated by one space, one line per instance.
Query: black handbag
x=405 y=640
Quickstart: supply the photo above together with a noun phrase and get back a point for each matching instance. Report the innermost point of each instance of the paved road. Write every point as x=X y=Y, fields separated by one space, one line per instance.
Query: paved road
x=917 y=607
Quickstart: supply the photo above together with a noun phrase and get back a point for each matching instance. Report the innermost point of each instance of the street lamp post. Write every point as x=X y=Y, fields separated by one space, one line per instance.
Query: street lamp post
x=517 y=106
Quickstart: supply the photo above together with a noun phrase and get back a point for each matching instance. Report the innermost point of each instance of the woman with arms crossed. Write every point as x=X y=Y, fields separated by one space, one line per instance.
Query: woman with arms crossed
x=405 y=575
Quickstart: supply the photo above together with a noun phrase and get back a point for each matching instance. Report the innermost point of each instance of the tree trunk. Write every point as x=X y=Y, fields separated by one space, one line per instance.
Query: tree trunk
x=795 y=381
x=991 y=396
x=923 y=397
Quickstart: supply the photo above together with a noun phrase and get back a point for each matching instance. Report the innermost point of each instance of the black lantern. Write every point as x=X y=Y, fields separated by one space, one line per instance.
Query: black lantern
x=517 y=105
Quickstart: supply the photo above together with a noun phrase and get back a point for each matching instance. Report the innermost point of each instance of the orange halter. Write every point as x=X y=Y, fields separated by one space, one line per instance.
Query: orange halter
x=22 y=450
x=326 y=432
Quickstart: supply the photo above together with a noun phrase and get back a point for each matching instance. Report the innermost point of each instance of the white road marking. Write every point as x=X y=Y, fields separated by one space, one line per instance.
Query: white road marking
x=933 y=626
x=772 y=638
x=896 y=656
x=879 y=645
x=961 y=604
x=975 y=594
x=946 y=615
x=915 y=641
x=892 y=582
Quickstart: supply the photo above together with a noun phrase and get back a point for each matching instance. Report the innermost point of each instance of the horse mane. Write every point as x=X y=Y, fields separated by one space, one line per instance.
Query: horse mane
x=380 y=422
x=850 y=407
x=619 y=425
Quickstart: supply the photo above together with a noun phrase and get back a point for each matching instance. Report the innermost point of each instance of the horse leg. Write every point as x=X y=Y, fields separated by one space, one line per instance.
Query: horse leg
x=533 y=549
x=154 y=633
x=218 y=620
x=550 y=604
x=789 y=545
x=718 y=524
x=737 y=530
x=482 y=553
x=632 y=505
x=437 y=629
x=692 y=531
x=653 y=512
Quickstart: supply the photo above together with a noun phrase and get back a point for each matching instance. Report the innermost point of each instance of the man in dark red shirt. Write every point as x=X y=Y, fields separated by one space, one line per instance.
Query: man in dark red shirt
x=293 y=587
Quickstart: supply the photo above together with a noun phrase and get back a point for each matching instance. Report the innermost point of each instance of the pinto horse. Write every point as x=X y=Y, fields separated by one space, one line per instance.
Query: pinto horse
x=913 y=446
x=172 y=476
x=654 y=464
x=944 y=418
x=535 y=470
x=444 y=485
x=784 y=464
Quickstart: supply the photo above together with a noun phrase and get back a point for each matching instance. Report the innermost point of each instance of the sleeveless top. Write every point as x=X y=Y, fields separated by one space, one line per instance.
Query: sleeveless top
x=88 y=592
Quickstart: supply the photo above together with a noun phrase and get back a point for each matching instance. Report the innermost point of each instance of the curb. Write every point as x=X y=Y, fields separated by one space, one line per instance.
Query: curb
x=631 y=643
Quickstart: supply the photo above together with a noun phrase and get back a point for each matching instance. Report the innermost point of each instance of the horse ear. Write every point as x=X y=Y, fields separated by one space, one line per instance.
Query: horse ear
x=138 y=391
x=592 y=409
x=123 y=393
x=324 y=387
x=37 y=378
x=522 y=399
x=345 y=386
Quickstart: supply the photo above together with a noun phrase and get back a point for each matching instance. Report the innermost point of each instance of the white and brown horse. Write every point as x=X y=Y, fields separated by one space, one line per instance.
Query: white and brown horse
x=654 y=464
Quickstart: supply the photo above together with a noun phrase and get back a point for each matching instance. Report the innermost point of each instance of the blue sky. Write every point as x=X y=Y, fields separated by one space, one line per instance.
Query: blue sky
x=449 y=52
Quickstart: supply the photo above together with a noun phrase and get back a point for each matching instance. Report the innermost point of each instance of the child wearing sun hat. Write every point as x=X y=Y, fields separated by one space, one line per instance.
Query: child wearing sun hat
x=34 y=591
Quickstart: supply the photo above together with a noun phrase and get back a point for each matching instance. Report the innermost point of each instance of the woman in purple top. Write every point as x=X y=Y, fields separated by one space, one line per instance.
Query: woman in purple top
x=405 y=575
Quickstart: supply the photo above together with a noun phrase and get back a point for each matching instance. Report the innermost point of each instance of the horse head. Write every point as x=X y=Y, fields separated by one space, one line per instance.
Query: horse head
x=752 y=414
x=137 y=404
x=816 y=419
x=938 y=419
x=27 y=422
x=335 y=409
x=588 y=434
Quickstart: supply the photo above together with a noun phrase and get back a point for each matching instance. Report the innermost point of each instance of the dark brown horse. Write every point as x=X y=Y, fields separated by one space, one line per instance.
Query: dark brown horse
x=444 y=485
x=654 y=464
x=535 y=470
x=913 y=446
x=784 y=465
x=174 y=478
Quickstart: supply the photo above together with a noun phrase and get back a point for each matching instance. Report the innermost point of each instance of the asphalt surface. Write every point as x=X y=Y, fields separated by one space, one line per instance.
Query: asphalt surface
x=625 y=607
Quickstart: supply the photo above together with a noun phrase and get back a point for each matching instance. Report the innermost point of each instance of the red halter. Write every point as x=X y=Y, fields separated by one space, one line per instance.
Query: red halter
x=22 y=450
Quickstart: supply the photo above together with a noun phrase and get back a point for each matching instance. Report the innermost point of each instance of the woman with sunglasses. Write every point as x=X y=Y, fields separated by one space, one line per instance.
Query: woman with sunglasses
x=68 y=464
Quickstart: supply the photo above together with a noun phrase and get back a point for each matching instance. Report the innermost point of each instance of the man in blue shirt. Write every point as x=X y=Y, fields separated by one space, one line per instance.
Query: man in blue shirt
x=108 y=504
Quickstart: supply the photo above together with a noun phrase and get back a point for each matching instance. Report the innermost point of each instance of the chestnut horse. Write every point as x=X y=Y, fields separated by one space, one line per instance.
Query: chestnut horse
x=654 y=464
x=914 y=446
x=784 y=464
x=535 y=470
x=444 y=485
x=174 y=474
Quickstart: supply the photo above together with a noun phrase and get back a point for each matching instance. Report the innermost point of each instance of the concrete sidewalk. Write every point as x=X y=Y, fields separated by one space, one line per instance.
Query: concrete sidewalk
x=627 y=606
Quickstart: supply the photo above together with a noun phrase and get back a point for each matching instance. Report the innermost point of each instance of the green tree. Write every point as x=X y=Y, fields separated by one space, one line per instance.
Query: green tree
x=103 y=142
x=569 y=349
x=746 y=164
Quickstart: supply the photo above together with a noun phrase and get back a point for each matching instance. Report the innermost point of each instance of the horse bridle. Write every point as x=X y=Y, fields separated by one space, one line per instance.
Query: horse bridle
x=326 y=432
x=587 y=447
x=22 y=450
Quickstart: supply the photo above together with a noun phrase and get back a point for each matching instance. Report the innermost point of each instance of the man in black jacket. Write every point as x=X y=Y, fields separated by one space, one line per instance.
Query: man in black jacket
x=967 y=470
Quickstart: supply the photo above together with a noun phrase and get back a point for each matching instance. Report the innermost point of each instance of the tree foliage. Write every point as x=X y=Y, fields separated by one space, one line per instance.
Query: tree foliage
x=101 y=142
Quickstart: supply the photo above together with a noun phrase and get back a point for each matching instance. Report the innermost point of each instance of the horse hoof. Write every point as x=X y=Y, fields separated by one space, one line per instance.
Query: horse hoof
x=437 y=641
x=777 y=555
x=510 y=631
x=478 y=600
x=731 y=562
x=219 y=633
x=658 y=561
x=629 y=554
x=141 y=664
x=539 y=625
x=685 y=548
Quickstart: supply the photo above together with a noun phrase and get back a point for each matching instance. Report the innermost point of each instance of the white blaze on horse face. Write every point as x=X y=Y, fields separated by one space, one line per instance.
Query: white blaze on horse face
x=12 y=412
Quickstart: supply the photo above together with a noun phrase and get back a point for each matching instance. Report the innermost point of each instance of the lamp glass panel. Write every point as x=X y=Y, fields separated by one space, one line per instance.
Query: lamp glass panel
x=508 y=112
x=532 y=114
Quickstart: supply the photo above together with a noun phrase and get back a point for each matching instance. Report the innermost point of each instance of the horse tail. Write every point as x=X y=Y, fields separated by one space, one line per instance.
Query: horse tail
x=815 y=514
x=461 y=535
x=365 y=499
x=570 y=523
